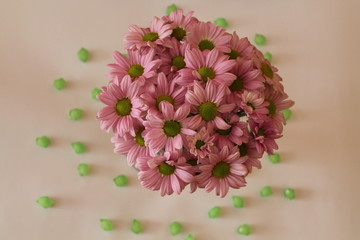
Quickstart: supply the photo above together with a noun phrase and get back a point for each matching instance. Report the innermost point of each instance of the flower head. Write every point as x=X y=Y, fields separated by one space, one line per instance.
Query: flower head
x=201 y=143
x=180 y=24
x=239 y=47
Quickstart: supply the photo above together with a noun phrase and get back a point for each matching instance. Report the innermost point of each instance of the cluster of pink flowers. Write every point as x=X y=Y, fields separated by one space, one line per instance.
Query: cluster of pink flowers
x=192 y=105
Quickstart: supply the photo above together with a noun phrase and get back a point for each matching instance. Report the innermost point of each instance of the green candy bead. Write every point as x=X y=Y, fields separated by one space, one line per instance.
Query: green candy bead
x=83 y=169
x=274 y=158
x=190 y=237
x=287 y=114
x=175 y=228
x=95 y=92
x=136 y=226
x=289 y=193
x=83 y=54
x=221 y=22
x=59 y=84
x=244 y=229
x=43 y=141
x=171 y=8
x=268 y=56
x=45 y=202
x=78 y=147
x=121 y=181
x=76 y=114
x=106 y=224
x=238 y=202
x=266 y=191
x=126 y=55
x=214 y=212
x=260 y=39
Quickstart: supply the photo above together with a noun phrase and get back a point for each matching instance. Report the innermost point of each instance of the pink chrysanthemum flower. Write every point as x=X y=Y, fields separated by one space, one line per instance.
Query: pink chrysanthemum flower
x=192 y=161
x=133 y=147
x=138 y=38
x=123 y=107
x=168 y=131
x=239 y=47
x=208 y=66
x=235 y=135
x=253 y=105
x=180 y=24
x=201 y=143
x=164 y=91
x=221 y=171
x=139 y=67
x=207 y=36
x=264 y=135
x=248 y=151
x=207 y=106
x=168 y=173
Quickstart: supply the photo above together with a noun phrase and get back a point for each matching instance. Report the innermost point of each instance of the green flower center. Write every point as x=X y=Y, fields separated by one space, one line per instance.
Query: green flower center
x=166 y=169
x=151 y=37
x=161 y=98
x=207 y=111
x=242 y=150
x=271 y=107
x=233 y=54
x=206 y=73
x=192 y=162
x=135 y=70
x=199 y=144
x=123 y=107
x=178 y=62
x=221 y=170
x=172 y=128
x=250 y=105
x=237 y=85
x=139 y=139
x=178 y=33
x=206 y=44
x=266 y=69
x=224 y=132
x=261 y=132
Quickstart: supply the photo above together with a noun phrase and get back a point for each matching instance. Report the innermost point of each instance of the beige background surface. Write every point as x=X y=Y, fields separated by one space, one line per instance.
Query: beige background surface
x=316 y=46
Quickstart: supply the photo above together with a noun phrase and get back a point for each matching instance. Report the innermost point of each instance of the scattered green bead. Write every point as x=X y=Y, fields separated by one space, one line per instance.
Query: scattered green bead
x=45 y=202
x=244 y=229
x=76 y=114
x=43 y=141
x=274 y=158
x=78 y=147
x=214 y=212
x=59 y=84
x=121 y=181
x=287 y=114
x=106 y=224
x=266 y=191
x=289 y=193
x=171 y=8
x=268 y=56
x=221 y=22
x=95 y=92
x=83 y=54
x=175 y=228
x=260 y=39
x=136 y=226
x=83 y=169
x=126 y=55
x=190 y=237
x=238 y=202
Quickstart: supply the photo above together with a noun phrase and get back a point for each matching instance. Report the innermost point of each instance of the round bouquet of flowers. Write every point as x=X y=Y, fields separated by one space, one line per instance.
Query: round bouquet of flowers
x=190 y=104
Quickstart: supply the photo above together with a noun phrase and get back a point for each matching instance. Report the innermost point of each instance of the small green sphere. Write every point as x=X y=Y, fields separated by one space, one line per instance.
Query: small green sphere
x=266 y=191
x=287 y=114
x=171 y=8
x=83 y=54
x=45 y=202
x=214 y=212
x=238 y=202
x=59 y=84
x=175 y=228
x=221 y=22
x=274 y=158
x=260 y=40
x=43 y=141
x=121 y=181
x=76 y=114
x=244 y=229
x=95 y=92
x=190 y=237
x=136 y=226
x=83 y=169
x=106 y=224
x=126 y=55
x=78 y=147
x=289 y=193
x=268 y=56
